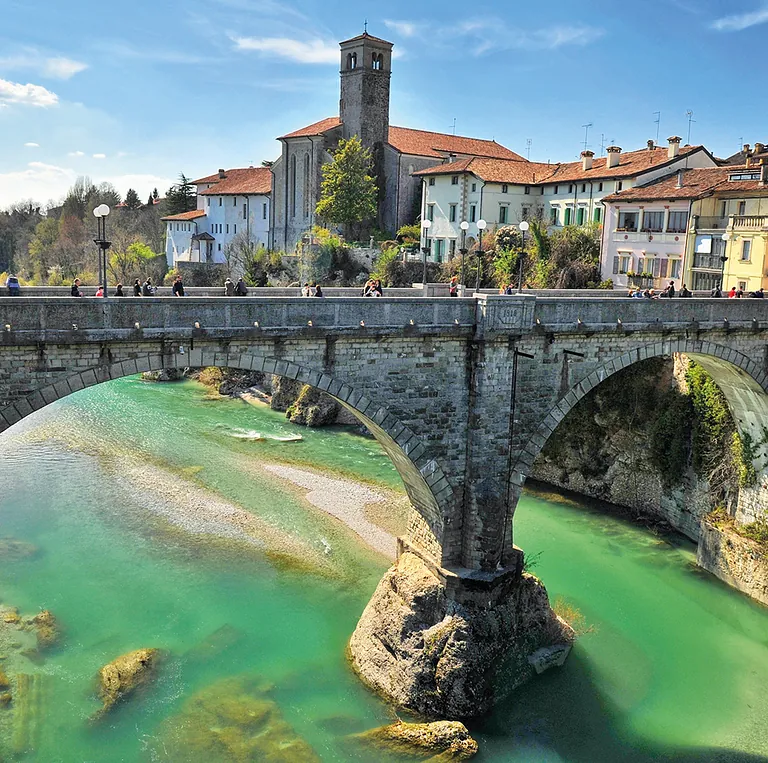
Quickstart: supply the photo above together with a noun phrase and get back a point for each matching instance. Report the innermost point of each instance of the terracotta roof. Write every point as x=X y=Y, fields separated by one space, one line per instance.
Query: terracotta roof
x=239 y=182
x=495 y=170
x=317 y=128
x=630 y=163
x=193 y=215
x=365 y=36
x=437 y=144
x=696 y=184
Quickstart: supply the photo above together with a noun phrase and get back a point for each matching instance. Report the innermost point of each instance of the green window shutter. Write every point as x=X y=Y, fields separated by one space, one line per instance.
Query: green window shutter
x=597 y=214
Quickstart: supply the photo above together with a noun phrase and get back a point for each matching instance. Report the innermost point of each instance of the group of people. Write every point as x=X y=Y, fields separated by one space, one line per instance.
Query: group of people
x=232 y=289
x=372 y=288
x=312 y=290
x=667 y=293
x=735 y=293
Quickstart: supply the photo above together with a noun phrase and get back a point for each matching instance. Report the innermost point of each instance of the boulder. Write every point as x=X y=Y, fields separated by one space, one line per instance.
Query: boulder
x=4 y=682
x=123 y=676
x=164 y=375
x=449 y=740
x=442 y=657
x=5 y=698
x=47 y=628
x=284 y=392
x=313 y=408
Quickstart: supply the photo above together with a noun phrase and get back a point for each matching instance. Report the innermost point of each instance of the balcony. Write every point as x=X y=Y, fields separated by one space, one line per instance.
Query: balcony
x=711 y=223
x=734 y=222
x=707 y=262
x=750 y=222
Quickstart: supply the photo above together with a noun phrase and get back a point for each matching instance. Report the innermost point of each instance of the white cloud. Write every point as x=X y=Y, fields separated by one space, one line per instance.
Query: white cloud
x=403 y=28
x=29 y=95
x=305 y=52
x=38 y=181
x=740 y=21
x=62 y=68
x=76 y=153
x=31 y=145
x=99 y=156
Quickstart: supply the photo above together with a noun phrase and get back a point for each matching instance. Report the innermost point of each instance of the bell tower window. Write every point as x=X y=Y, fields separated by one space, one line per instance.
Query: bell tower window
x=351 y=61
x=377 y=61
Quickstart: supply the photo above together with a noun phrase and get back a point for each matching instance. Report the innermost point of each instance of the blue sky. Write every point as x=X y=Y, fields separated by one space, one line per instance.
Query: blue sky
x=137 y=92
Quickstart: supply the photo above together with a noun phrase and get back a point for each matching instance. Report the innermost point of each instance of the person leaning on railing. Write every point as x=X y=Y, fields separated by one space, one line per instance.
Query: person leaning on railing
x=13 y=286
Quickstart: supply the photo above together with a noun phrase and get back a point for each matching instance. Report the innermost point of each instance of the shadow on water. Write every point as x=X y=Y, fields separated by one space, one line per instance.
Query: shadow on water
x=562 y=716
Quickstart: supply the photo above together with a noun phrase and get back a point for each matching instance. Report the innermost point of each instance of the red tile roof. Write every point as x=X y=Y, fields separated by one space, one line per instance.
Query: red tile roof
x=193 y=215
x=495 y=170
x=238 y=182
x=437 y=144
x=365 y=36
x=317 y=128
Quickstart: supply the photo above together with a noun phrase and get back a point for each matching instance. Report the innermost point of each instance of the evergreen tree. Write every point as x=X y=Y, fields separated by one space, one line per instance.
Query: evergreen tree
x=181 y=197
x=132 y=200
x=348 y=190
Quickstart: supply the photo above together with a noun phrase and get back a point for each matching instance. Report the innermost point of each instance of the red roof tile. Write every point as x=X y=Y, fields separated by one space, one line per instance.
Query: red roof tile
x=238 y=182
x=365 y=36
x=495 y=170
x=317 y=128
x=193 y=215
x=437 y=144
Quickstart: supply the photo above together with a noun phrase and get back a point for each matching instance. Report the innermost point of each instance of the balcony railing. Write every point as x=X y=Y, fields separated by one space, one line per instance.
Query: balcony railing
x=707 y=261
x=712 y=223
x=750 y=222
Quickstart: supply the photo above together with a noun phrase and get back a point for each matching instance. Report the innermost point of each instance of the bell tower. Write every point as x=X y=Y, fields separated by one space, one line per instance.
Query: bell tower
x=366 y=67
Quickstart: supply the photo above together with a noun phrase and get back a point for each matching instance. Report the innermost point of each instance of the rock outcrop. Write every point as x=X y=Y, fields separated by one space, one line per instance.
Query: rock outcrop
x=313 y=408
x=122 y=677
x=47 y=629
x=164 y=375
x=443 y=740
x=430 y=654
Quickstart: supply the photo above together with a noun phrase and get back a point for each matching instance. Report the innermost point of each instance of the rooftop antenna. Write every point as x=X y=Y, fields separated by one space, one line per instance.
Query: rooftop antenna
x=657 y=114
x=528 y=143
x=602 y=144
x=689 y=114
x=586 y=135
x=454 y=125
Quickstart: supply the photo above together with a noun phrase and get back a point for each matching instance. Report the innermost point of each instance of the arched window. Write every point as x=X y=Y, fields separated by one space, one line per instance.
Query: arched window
x=306 y=186
x=293 y=186
x=351 y=60
x=375 y=61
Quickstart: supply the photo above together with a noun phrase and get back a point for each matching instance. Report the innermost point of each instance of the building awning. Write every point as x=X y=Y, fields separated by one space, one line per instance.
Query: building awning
x=203 y=237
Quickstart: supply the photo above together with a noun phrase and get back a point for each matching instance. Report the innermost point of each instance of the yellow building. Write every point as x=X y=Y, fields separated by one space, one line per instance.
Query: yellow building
x=727 y=243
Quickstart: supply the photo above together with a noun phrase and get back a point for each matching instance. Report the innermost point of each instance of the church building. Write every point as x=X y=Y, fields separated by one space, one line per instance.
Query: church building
x=399 y=152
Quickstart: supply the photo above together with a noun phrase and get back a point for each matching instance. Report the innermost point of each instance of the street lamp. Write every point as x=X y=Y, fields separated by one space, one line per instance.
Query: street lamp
x=425 y=226
x=523 y=228
x=726 y=238
x=101 y=213
x=481 y=225
x=464 y=228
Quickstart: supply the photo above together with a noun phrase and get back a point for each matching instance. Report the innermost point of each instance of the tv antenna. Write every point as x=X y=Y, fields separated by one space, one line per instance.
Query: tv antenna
x=602 y=143
x=691 y=120
x=657 y=114
x=528 y=143
x=586 y=135
x=454 y=126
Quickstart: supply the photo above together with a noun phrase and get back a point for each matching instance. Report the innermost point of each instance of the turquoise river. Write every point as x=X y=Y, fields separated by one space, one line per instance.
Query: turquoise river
x=154 y=520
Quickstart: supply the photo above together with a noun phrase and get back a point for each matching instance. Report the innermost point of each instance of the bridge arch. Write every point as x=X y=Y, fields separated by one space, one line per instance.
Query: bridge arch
x=743 y=381
x=425 y=482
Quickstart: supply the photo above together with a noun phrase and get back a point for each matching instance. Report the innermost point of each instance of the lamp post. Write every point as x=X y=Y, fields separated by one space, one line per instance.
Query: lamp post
x=481 y=225
x=464 y=228
x=726 y=238
x=523 y=228
x=101 y=213
x=425 y=226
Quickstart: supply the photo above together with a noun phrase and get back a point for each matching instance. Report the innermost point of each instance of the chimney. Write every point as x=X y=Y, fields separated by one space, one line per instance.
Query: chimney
x=759 y=148
x=222 y=174
x=651 y=145
x=586 y=160
x=674 y=146
x=614 y=155
x=679 y=179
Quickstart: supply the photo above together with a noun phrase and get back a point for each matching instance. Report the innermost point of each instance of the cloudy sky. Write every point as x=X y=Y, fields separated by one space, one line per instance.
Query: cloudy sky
x=137 y=93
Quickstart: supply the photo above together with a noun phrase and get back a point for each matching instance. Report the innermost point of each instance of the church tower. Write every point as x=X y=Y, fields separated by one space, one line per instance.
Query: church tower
x=366 y=67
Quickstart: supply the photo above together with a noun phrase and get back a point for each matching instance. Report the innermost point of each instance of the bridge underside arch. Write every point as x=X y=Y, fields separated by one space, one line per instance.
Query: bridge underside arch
x=743 y=382
x=426 y=485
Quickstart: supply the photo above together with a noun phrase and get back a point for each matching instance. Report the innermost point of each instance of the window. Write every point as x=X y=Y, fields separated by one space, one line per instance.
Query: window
x=428 y=243
x=472 y=213
x=293 y=186
x=430 y=212
x=264 y=211
x=452 y=248
x=724 y=209
x=474 y=187
x=583 y=187
x=742 y=208
x=653 y=222
x=351 y=60
x=580 y=216
x=221 y=200
x=627 y=221
x=245 y=211
x=219 y=247
x=524 y=212
x=377 y=61
x=305 y=191
x=503 y=213
x=746 y=249
x=678 y=222
x=743 y=285
x=527 y=189
x=505 y=188
x=599 y=187
x=234 y=228
x=619 y=185
x=622 y=264
x=674 y=268
x=455 y=180
x=554 y=216
x=439 y=249
x=554 y=190
x=452 y=213
x=570 y=188
x=598 y=215
x=234 y=201
x=208 y=200
x=431 y=181
x=568 y=214
x=227 y=227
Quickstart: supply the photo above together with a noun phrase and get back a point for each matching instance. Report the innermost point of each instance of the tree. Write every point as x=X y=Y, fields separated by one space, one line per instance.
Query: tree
x=132 y=200
x=348 y=190
x=41 y=248
x=135 y=261
x=181 y=197
x=237 y=254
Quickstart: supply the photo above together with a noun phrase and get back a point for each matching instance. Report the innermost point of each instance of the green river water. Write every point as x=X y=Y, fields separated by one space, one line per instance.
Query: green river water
x=676 y=668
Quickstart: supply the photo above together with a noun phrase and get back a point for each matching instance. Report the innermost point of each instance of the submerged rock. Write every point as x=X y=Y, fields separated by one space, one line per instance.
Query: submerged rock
x=447 y=740
x=48 y=632
x=123 y=676
x=215 y=643
x=4 y=682
x=232 y=721
x=431 y=654
x=12 y=550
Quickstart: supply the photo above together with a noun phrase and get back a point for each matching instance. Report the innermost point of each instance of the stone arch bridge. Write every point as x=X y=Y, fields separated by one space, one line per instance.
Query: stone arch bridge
x=462 y=394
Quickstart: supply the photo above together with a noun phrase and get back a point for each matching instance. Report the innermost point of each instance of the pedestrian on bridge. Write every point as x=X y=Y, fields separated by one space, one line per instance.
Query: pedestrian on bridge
x=75 y=290
x=229 y=288
x=12 y=284
x=241 y=290
x=136 y=288
x=147 y=290
x=119 y=290
x=178 y=287
x=318 y=291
